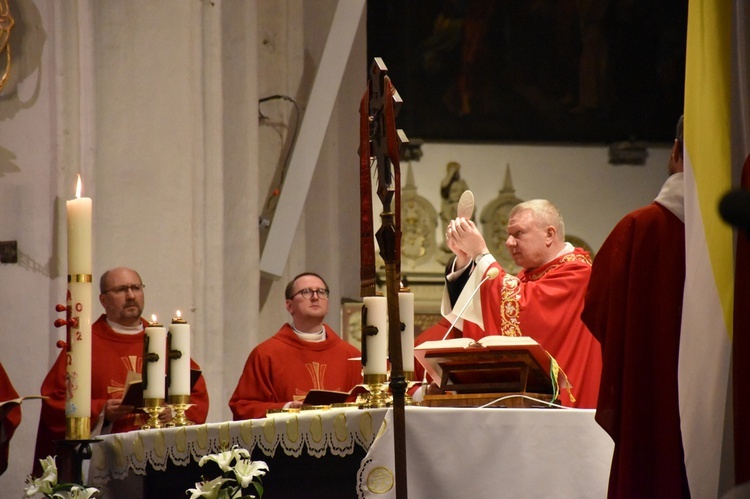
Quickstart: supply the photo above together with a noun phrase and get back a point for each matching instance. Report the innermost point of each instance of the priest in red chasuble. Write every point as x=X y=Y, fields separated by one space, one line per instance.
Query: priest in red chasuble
x=544 y=301
x=634 y=307
x=11 y=417
x=304 y=354
x=116 y=349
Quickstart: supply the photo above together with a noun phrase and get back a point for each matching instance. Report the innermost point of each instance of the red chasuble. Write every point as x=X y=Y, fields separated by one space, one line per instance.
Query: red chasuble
x=634 y=308
x=113 y=355
x=11 y=417
x=284 y=368
x=546 y=305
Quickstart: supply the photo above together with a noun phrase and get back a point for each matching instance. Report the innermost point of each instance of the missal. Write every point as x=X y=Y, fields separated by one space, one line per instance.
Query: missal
x=330 y=397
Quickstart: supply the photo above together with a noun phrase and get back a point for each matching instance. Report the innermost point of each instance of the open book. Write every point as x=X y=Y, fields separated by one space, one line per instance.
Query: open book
x=6 y=405
x=329 y=397
x=492 y=364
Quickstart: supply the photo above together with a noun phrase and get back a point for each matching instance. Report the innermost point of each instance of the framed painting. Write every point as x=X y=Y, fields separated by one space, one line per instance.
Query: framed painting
x=533 y=71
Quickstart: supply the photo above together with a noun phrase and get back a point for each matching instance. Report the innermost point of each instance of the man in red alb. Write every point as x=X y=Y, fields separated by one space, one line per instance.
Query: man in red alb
x=11 y=417
x=634 y=308
x=304 y=354
x=544 y=301
x=116 y=349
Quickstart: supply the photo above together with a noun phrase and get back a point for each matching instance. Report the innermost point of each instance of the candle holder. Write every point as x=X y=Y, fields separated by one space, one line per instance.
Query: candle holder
x=77 y=428
x=153 y=408
x=410 y=378
x=377 y=392
x=179 y=404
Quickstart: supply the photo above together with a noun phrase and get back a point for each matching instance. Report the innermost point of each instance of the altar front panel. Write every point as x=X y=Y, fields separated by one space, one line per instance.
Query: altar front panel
x=451 y=452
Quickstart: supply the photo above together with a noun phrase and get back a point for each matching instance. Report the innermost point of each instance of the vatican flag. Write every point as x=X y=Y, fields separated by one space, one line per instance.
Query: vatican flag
x=705 y=343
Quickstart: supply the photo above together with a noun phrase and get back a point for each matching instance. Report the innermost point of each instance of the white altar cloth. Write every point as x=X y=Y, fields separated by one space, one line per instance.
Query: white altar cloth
x=490 y=453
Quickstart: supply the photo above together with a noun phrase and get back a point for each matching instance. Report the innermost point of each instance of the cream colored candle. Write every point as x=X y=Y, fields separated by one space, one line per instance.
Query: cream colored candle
x=156 y=369
x=377 y=345
x=179 y=331
x=406 y=313
x=78 y=369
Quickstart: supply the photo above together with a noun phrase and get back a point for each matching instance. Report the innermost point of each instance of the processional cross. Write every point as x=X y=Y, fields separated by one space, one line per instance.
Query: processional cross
x=380 y=143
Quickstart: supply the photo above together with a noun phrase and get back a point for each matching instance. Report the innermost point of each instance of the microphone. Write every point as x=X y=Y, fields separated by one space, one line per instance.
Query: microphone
x=734 y=208
x=491 y=274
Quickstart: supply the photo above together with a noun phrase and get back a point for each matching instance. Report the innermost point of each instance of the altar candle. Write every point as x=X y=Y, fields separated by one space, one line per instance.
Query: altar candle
x=406 y=313
x=377 y=345
x=78 y=366
x=156 y=370
x=180 y=368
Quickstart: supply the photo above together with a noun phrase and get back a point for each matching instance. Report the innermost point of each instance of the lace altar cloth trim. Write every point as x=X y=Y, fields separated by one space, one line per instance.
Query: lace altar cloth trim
x=318 y=432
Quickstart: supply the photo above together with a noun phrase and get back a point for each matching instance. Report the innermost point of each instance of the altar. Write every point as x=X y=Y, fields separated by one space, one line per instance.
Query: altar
x=348 y=453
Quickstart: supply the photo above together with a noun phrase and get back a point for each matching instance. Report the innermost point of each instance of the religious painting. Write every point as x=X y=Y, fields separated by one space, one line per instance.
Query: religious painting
x=571 y=71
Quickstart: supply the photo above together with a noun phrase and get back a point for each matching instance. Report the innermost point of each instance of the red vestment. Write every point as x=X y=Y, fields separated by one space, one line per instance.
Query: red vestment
x=634 y=307
x=284 y=368
x=113 y=355
x=544 y=304
x=11 y=414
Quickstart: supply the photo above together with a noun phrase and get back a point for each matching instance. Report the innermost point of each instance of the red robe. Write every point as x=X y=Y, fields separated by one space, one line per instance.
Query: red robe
x=284 y=368
x=634 y=308
x=113 y=355
x=546 y=305
x=11 y=417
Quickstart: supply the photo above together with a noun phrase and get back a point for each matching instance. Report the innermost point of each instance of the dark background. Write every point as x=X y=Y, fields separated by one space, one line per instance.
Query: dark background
x=573 y=71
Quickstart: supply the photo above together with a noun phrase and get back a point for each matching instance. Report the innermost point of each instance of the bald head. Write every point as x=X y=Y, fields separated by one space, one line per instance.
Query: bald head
x=121 y=295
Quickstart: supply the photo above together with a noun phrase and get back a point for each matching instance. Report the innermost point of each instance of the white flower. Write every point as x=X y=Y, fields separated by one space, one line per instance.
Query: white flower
x=76 y=492
x=224 y=459
x=46 y=482
x=209 y=490
x=246 y=470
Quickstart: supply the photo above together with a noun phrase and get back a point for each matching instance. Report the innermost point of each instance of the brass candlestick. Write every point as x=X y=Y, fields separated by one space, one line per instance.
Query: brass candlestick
x=179 y=404
x=377 y=392
x=153 y=408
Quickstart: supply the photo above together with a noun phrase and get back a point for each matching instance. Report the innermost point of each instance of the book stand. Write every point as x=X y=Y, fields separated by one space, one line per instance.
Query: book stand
x=480 y=374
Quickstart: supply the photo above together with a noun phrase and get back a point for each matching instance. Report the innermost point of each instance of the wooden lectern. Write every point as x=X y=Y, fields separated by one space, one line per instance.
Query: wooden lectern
x=474 y=373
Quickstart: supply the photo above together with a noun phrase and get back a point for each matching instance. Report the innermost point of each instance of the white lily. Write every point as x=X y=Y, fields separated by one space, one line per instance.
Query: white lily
x=225 y=458
x=246 y=470
x=209 y=490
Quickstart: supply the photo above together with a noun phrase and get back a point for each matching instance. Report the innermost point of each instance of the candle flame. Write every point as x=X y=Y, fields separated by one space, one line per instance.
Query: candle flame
x=78 y=187
x=179 y=314
x=153 y=317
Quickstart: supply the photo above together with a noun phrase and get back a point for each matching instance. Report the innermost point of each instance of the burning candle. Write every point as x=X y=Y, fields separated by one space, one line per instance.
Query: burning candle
x=78 y=371
x=406 y=313
x=155 y=360
x=179 y=332
x=376 y=345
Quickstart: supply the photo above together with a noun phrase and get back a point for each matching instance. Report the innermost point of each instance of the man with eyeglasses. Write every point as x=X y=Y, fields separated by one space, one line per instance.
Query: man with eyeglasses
x=304 y=354
x=116 y=349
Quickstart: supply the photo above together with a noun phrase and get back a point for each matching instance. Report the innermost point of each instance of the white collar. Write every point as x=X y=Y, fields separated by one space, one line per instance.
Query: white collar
x=672 y=195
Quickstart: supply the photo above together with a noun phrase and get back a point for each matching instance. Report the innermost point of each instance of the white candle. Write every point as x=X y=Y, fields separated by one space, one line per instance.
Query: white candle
x=78 y=370
x=377 y=345
x=406 y=312
x=79 y=233
x=180 y=368
x=156 y=369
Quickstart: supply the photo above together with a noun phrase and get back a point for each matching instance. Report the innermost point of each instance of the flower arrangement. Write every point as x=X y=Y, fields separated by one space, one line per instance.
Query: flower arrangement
x=238 y=473
x=47 y=485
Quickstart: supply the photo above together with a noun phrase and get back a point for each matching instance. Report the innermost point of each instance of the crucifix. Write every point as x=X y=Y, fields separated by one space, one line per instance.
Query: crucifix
x=380 y=143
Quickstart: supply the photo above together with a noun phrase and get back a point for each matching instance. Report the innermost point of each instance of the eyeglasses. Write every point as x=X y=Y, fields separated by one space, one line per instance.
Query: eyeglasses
x=121 y=290
x=307 y=293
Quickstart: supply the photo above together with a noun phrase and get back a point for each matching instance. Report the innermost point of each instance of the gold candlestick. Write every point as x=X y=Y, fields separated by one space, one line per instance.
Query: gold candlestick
x=153 y=408
x=179 y=404
x=377 y=392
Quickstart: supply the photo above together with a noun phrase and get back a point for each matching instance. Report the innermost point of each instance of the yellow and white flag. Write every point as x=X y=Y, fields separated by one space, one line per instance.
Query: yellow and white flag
x=705 y=343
